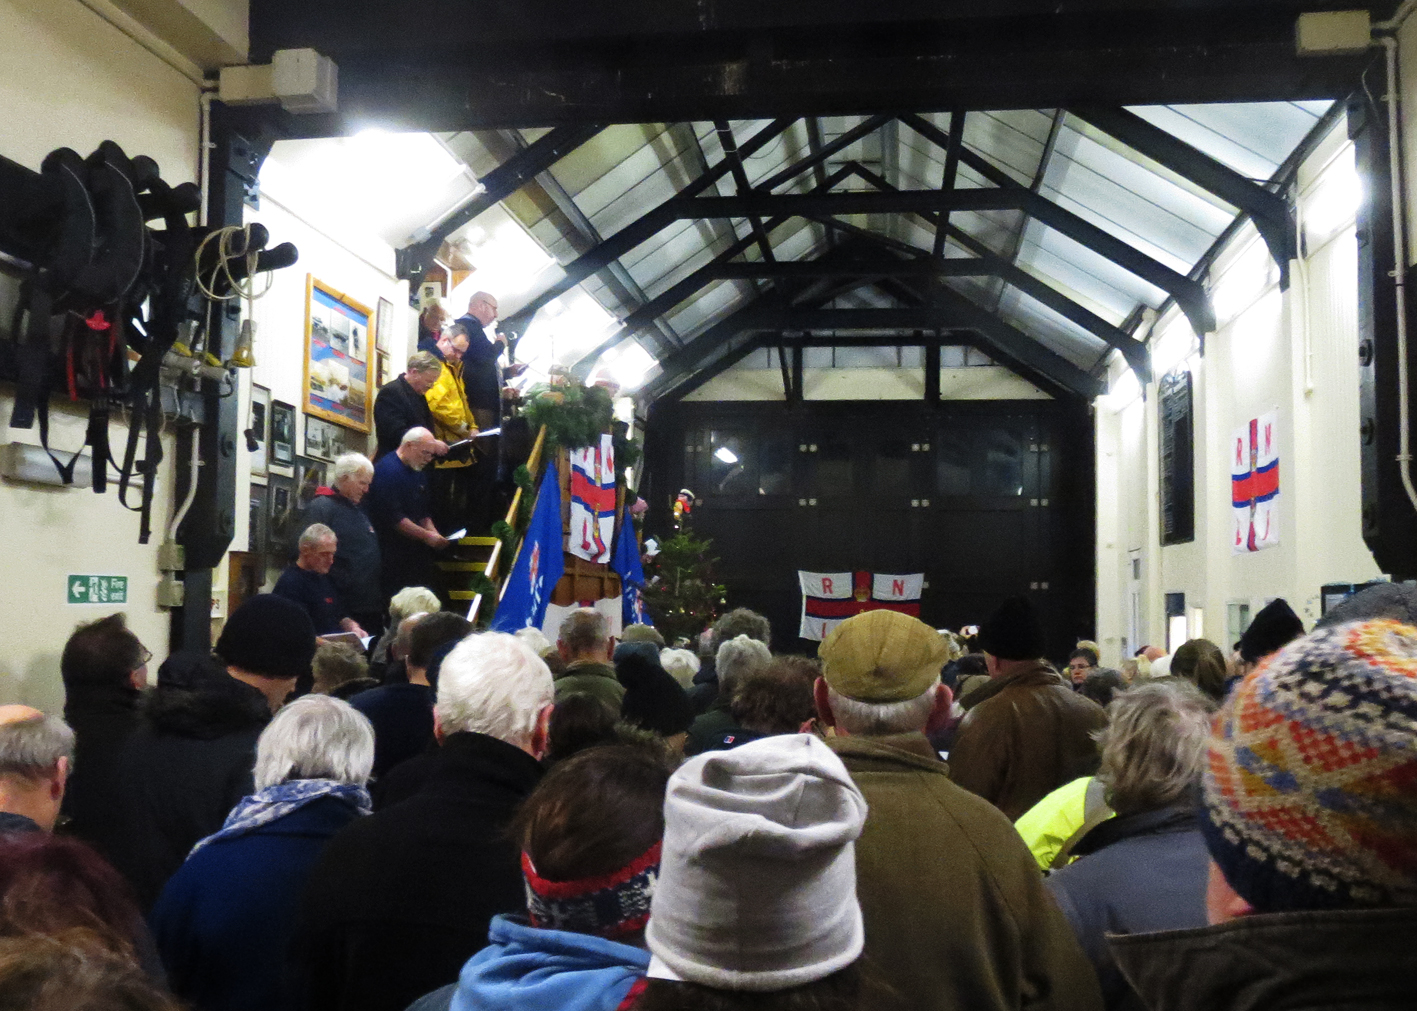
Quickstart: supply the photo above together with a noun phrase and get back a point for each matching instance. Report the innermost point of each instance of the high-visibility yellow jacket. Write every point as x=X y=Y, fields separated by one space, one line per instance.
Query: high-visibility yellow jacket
x=452 y=418
x=1051 y=823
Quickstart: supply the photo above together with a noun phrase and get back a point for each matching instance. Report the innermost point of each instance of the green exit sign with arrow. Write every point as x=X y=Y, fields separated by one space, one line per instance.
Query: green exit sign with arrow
x=98 y=589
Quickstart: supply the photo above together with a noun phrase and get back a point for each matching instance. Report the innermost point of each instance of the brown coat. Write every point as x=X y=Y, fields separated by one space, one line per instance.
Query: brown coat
x=957 y=917
x=1024 y=736
x=1354 y=959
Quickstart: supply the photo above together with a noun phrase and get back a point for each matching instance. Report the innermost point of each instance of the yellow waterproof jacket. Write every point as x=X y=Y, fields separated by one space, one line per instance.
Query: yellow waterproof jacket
x=451 y=415
x=1056 y=819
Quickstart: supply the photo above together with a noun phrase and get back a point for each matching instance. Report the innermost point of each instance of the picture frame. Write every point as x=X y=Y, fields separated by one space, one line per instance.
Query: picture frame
x=384 y=377
x=258 y=429
x=283 y=516
x=323 y=440
x=338 y=357
x=383 y=326
x=282 y=432
x=257 y=535
x=309 y=478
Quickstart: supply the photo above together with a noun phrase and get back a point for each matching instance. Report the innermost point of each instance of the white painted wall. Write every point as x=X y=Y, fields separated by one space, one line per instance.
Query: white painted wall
x=1294 y=351
x=354 y=262
x=69 y=78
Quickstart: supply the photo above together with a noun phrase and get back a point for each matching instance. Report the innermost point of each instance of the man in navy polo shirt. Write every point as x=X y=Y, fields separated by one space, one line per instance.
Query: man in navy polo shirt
x=398 y=506
x=307 y=582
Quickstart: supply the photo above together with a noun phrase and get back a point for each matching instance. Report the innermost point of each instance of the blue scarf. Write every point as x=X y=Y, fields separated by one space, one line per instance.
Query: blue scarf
x=275 y=802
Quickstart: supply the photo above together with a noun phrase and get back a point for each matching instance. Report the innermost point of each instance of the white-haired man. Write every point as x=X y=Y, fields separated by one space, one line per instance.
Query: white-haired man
x=355 y=571
x=401 y=899
x=36 y=752
x=307 y=582
x=955 y=910
x=398 y=506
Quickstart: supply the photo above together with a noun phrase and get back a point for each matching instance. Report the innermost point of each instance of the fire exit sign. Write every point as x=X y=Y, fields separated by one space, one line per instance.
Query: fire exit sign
x=98 y=589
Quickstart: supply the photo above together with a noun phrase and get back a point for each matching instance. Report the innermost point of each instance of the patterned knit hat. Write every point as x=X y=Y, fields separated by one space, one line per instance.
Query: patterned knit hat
x=1310 y=798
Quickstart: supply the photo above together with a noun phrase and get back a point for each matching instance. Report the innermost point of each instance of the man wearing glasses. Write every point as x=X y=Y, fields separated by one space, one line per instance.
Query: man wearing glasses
x=482 y=376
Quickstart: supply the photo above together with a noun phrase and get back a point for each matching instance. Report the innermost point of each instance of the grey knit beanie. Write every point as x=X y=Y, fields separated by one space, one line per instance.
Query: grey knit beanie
x=757 y=885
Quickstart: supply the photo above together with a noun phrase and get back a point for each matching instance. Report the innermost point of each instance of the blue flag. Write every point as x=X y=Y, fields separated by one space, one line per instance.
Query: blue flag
x=538 y=566
x=626 y=564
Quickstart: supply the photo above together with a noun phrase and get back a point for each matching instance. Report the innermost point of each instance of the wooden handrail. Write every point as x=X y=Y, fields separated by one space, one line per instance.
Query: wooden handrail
x=533 y=462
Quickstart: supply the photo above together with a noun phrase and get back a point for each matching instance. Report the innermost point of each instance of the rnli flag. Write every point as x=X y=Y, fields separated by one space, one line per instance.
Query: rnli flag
x=1254 y=484
x=632 y=574
x=829 y=598
x=539 y=564
x=592 y=501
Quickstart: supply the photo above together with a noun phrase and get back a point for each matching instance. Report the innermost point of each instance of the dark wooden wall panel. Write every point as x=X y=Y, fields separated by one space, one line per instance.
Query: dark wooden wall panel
x=987 y=498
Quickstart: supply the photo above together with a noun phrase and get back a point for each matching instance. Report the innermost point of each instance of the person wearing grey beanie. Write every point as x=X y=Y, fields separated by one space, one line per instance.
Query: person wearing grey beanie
x=757 y=885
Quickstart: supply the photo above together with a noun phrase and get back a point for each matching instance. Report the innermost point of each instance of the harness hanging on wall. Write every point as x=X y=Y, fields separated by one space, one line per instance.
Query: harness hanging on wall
x=96 y=283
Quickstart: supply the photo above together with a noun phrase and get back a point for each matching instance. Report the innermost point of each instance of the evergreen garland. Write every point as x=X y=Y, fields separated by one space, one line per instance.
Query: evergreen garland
x=575 y=416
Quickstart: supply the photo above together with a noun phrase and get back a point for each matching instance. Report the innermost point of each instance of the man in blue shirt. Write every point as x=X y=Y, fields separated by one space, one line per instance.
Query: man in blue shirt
x=306 y=581
x=398 y=505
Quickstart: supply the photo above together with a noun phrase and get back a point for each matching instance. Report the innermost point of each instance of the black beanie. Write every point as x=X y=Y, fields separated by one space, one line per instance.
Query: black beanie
x=1012 y=632
x=270 y=636
x=1274 y=627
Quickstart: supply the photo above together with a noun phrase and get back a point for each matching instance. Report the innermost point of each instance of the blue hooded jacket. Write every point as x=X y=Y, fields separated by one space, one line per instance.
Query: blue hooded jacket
x=529 y=968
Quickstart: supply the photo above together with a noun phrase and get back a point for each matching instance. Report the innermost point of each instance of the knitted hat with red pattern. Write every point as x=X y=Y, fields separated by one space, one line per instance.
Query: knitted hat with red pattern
x=1310 y=797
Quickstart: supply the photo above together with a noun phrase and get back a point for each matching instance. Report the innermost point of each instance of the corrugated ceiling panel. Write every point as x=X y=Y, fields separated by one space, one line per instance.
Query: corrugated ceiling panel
x=1062 y=335
x=1056 y=258
x=1252 y=138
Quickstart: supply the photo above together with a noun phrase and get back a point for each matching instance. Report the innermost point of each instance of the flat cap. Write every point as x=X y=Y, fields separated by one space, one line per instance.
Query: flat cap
x=882 y=656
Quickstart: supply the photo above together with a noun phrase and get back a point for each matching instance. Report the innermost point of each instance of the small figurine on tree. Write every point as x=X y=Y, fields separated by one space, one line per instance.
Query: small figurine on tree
x=679 y=590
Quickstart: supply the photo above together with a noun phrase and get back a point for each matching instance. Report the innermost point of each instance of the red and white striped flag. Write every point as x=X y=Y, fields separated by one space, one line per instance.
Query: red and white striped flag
x=829 y=598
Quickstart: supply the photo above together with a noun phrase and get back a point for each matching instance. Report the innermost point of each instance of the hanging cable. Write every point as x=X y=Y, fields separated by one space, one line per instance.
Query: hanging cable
x=242 y=288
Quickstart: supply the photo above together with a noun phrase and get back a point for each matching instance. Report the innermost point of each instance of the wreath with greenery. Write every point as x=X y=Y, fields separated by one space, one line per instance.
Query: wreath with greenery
x=574 y=415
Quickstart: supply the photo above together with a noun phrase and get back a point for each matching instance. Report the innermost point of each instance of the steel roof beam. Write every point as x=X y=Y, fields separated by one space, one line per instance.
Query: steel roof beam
x=1132 y=349
x=1269 y=211
x=630 y=289
x=950 y=175
x=945 y=310
x=413 y=259
x=1189 y=294
x=729 y=143
x=666 y=300
x=594 y=260
x=820 y=156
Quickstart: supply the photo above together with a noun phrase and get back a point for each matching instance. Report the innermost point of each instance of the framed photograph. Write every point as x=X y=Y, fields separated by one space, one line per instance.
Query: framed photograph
x=284 y=515
x=337 y=377
x=309 y=478
x=384 y=376
x=324 y=441
x=384 y=327
x=282 y=433
x=258 y=534
x=258 y=430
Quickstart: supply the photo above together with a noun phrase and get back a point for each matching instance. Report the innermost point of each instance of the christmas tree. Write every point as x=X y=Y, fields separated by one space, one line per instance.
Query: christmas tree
x=679 y=590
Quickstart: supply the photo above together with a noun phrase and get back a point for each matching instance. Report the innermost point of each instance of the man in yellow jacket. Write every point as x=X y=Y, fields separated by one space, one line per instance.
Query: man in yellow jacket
x=452 y=422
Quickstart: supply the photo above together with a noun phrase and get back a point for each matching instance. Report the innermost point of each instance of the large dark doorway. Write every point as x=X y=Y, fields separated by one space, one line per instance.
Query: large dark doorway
x=987 y=498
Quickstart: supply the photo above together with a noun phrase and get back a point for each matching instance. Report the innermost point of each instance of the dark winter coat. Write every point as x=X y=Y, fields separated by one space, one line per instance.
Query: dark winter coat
x=397 y=408
x=225 y=919
x=402 y=715
x=956 y=915
x=356 y=569
x=1024 y=736
x=185 y=767
x=482 y=376
x=653 y=699
x=1134 y=874
x=587 y=677
x=401 y=899
x=706 y=732
x=1339 y=960
x=103 y=717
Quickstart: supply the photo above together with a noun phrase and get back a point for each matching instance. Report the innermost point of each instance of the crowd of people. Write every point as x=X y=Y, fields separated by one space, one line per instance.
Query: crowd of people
x=469 y=820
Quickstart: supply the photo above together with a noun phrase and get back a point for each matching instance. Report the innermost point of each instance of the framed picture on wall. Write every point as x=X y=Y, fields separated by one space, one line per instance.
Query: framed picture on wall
x=323 y=441
x=309 y=478
x=283 y=515
x=337 y=376
x=384 y=327
x=257 y=537
x=383 y=378
x=258 y=430
x=282 y=433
